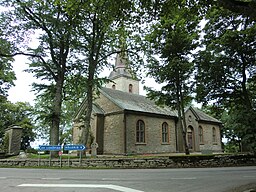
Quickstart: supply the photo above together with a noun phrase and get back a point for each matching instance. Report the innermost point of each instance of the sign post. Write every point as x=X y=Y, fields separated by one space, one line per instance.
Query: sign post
x=49 y=148
x=60 y=148
x=74 y=147
x=79 y=148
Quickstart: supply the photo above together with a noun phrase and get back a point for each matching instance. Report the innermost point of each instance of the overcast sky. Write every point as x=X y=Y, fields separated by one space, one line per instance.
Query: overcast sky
x=22 y=89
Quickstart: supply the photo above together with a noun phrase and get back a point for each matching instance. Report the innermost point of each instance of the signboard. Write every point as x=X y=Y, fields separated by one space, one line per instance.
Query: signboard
x=49 y=147
x=74 y=147
x=59 y=147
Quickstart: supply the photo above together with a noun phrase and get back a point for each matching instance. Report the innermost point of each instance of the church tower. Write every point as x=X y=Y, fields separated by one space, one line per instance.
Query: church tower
x=121 y=77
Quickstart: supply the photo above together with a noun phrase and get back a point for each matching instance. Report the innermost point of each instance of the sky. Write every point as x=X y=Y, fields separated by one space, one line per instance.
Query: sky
x=22 y=89
x=22 y=92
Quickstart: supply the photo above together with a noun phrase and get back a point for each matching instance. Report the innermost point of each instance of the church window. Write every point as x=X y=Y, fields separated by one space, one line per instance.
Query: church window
x=201 y=139
x=214 y=139
x=114 y=86
x=130 y=88
x=165 y=133
x=140 y=131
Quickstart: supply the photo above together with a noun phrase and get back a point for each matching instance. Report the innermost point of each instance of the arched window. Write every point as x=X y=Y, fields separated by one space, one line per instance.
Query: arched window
x=200 y=131
x=114 y=86
x=214 y=139
x=140 y=132
x=165 y=133
x=130 y=88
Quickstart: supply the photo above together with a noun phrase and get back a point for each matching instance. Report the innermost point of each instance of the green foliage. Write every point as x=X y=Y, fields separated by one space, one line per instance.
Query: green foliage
x=173 y=37
x=240 y=127
x=7 y=75
x=228 y=62
x=226 y=72
x=17 y=114
x=232 y=146
x=75 y=40
x=5 y=143
x=31 y=151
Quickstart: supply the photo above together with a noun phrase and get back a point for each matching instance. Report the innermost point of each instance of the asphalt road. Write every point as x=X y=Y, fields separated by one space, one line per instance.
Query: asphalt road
x=125 y=180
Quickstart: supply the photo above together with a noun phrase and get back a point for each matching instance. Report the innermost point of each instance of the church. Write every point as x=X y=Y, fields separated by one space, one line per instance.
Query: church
x=125 y=122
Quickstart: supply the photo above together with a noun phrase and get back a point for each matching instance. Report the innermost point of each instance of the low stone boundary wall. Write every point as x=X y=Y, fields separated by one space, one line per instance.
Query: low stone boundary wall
x=142 y=163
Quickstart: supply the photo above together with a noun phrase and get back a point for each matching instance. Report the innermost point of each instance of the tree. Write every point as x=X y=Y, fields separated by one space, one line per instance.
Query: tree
x=7 y=75
x=173 y=37
x=49 y=60
x=76 y=37
x=105 y=21
x=226 y=68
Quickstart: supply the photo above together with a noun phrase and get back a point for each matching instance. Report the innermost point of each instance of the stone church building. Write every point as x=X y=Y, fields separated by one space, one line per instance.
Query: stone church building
x=125 y=122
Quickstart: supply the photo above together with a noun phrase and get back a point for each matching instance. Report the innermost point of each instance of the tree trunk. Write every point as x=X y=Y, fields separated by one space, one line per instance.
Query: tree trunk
x=184 y=130
x=56 y=113
x=86 y=131
x=181 y=115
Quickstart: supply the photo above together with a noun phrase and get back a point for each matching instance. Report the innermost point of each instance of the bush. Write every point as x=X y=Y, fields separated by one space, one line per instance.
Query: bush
x=32 y=150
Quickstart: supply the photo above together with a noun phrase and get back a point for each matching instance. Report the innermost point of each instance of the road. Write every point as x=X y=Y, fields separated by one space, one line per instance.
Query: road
x=125 y=180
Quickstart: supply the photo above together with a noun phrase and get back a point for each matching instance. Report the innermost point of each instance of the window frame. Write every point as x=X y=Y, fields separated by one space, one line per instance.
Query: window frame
x=165 y=133
x=201 y=134
x=140 y=132
x=214 y=135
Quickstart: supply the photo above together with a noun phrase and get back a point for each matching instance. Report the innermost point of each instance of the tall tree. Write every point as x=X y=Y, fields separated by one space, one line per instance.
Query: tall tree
x=103 y=21
x=173 y=37
x=227 y=66
x=76 y=37
x=49 y=59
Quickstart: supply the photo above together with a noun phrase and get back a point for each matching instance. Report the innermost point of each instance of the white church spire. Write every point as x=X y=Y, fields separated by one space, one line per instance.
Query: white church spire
x=121 y=76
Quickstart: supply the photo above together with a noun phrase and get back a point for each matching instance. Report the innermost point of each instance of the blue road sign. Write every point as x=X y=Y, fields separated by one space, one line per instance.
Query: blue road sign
x=74 y=147
x=49 y=147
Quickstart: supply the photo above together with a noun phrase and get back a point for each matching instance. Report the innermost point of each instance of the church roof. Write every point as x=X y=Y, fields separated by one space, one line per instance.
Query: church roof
x=201 y=116
x=97 y=109
x=134 y=102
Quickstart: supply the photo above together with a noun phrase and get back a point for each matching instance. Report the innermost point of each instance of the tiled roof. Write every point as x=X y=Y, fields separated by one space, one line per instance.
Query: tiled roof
x=201 y=116
x=134 y=102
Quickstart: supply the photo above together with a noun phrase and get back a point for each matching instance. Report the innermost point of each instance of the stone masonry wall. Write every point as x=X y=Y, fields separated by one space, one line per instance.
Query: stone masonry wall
x=141 y=163
x=208 y=143
x=114 y=134
x=153 y=135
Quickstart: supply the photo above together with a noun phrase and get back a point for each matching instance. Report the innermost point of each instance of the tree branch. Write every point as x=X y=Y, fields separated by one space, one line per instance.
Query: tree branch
x=41 y=24
x=239 y=6
x=31 y=55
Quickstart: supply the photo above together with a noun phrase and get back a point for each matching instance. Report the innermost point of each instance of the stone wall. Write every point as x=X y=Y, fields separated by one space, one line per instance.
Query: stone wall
x=13 y=135
x=153 y=135
x=114 y=134
x=208 y=143
x=141 y=163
